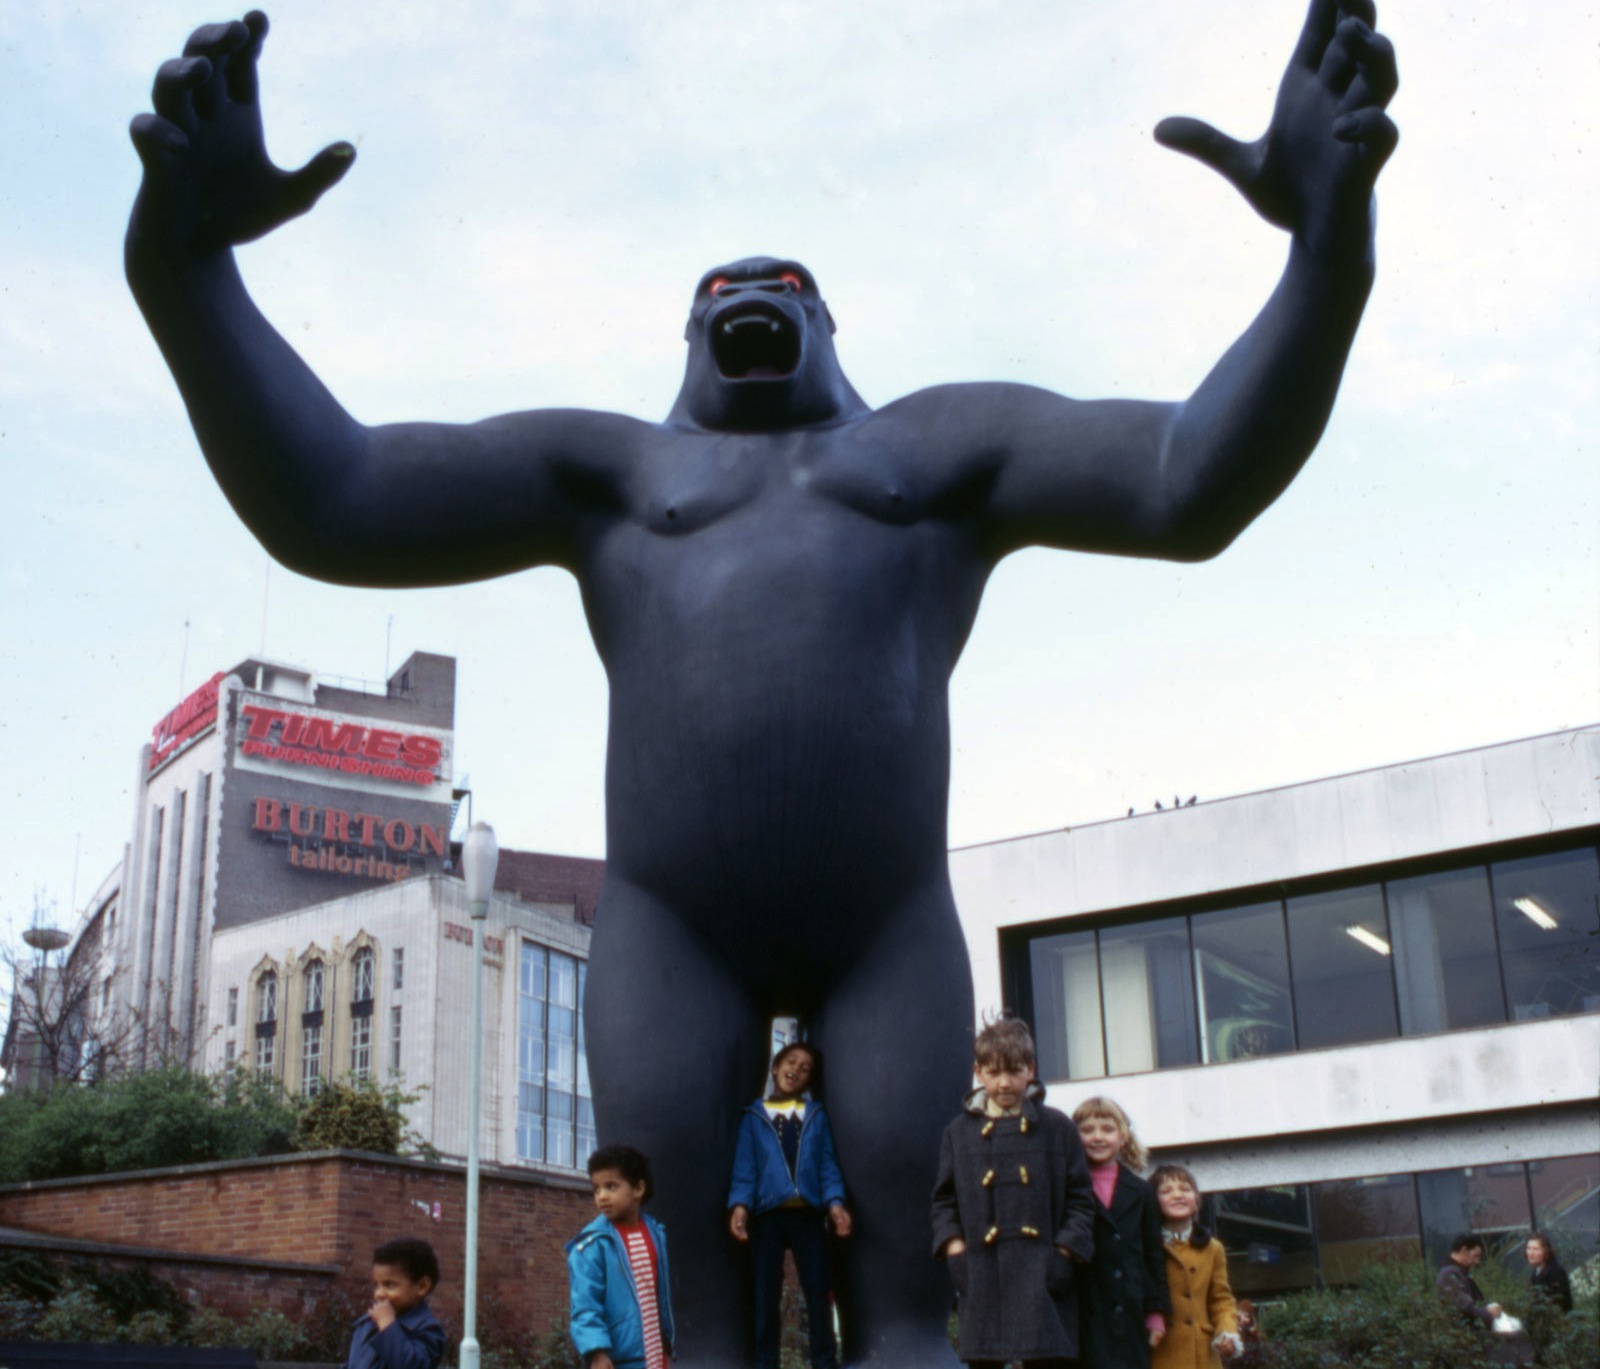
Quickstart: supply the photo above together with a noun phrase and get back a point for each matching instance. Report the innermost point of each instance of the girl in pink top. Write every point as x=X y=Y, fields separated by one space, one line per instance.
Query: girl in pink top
x=1124 y=1301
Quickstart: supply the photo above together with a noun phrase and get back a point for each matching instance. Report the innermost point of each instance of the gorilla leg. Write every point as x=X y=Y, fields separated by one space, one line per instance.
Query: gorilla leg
x=897 y=1039
x=676 y=1049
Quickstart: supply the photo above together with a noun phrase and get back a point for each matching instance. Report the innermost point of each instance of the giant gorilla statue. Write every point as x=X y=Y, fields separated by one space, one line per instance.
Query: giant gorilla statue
x=779 y=580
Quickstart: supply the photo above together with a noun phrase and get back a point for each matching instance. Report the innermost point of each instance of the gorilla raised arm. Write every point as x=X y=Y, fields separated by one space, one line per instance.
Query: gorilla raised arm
x=779 y=581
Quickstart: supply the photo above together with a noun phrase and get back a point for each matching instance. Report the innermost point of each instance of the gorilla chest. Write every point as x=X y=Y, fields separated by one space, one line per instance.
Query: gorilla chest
x=698 y=482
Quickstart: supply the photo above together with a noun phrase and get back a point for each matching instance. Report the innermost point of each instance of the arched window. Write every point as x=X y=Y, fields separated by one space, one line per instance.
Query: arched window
x=314 y=982
x=267 y=997
x=361 y=975
x=266 y=1022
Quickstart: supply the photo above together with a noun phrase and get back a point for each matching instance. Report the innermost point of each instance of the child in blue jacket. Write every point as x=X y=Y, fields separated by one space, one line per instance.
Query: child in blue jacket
x=620 y=1312
x=785 y=1175
x=399 y=1331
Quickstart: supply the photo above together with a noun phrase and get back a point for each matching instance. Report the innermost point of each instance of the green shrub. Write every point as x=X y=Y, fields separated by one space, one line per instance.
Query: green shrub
x=327 y=1326
x=126 y=1293
x=1391 y=1318
x=149 y=1328
x=140 y=1121
x=19 y=1316
x=210 y=1327
x=27 y=1275
x=272 y=1336
x=76 y=1315
x=351 y=1116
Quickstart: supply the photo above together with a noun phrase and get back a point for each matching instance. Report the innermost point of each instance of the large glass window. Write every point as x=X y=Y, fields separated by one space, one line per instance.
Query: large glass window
x=1548 y=909
x=1566 y=1205
x=1268 y=1236
x=1447 y=970
x=555 y=1117
x=1339 y=950
x=1362 y=1222
x=1490 y=1200
x=362 y=975
x=1462 y=948
x=1242 y=978
x=1149 y=996
x=1066 y=1007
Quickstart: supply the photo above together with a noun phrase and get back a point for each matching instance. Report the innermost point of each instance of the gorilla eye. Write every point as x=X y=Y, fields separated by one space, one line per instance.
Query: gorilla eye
x=717 y=286
x=792 y=281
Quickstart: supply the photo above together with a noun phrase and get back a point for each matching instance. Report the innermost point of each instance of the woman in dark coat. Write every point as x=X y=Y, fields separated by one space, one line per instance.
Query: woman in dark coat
x=1123 y=1296
x=1547 y=1280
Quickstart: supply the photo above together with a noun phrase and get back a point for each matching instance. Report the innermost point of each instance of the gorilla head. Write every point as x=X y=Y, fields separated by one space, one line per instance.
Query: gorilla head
x=761 y=352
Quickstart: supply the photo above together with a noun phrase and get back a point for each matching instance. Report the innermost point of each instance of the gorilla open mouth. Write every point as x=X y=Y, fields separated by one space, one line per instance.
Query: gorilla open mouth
x=755 y=341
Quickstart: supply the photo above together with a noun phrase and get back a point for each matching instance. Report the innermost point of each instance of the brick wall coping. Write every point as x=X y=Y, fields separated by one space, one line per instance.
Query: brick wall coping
x=547 y=1178
x=13 y=1238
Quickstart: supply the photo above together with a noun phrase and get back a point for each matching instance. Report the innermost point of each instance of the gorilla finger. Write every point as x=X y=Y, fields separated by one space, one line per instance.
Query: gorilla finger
x=1363 y=10
x=1321 y=20
x=1228 y=157
x=155 y=139
x=1372 y=129
x=216 y=40
x=1379 y=76
x=243 y=82
x=324 y=171
x=173 y=91
x=1340 y=63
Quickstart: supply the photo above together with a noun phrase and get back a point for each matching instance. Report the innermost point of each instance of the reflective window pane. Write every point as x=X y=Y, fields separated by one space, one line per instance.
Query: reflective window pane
x=1490 y=1200
x=1361 y=1222
x=1566 y=1202
x=1066 y=1007
x=1146 y=979
x=1340 y=950
x=1447 y=970
x=1267 y=1234
x=1548 y=909
x=1242 y=979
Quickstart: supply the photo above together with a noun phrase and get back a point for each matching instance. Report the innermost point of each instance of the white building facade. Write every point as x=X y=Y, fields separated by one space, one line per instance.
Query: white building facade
x=378 y=986
x=1364 y=1010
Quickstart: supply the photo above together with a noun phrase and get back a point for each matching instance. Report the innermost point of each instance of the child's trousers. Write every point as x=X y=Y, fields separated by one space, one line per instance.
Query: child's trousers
x=799 y=1229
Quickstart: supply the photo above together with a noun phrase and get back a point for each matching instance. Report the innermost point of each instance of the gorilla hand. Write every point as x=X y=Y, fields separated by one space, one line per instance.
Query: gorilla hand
x=208 y=182
x=1313 y=170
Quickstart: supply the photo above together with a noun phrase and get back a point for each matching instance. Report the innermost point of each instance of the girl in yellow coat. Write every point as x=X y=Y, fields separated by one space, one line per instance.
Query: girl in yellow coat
x=1204 y=1326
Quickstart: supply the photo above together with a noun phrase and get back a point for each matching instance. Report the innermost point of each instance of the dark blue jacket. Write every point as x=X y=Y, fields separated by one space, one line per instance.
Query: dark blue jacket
x=414 y=1340
x=761 y=1179
x=604 y=1310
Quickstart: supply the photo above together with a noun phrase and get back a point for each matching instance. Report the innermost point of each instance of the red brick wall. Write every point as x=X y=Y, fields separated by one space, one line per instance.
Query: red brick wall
x=331 y=1208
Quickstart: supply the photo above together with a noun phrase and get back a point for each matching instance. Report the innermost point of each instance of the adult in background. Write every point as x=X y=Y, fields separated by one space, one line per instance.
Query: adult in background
x=1549 y=1291
x=1458 y=1290
x=1547 y=1279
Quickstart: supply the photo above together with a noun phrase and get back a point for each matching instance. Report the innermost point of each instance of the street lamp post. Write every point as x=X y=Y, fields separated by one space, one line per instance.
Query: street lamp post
x=480 y=854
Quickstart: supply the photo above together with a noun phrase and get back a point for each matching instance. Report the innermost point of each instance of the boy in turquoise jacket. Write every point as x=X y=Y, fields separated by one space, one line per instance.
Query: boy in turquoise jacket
x=620 y=1311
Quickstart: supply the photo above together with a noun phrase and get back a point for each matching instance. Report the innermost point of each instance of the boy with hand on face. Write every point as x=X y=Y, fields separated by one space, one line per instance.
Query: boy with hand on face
x=1013 y=1211
x=1204 y=1327
x=620 y=1314
x=399 y=1331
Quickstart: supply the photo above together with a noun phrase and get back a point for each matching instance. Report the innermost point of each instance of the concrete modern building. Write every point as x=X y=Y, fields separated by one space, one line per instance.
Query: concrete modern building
x=1365 y=1010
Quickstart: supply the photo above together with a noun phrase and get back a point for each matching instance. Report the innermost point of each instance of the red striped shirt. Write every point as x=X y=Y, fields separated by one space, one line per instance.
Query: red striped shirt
x=642 y=1265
